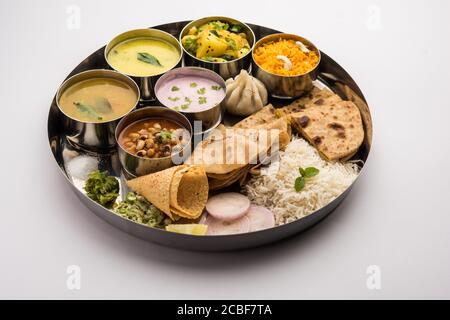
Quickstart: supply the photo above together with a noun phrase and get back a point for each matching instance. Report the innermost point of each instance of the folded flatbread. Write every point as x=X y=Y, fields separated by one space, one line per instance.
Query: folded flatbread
x=259 y=119
x=315 y=97
x=180 y=191
x=335 y=129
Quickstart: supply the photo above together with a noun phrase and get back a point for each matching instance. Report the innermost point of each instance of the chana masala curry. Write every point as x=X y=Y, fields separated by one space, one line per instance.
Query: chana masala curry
x=154 y=138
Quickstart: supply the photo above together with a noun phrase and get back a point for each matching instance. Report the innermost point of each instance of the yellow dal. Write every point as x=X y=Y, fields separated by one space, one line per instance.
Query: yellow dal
x=120 y=96
x=123 y=57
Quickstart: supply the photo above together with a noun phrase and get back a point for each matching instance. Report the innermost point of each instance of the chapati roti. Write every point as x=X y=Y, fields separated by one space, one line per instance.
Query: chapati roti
x=336 y=130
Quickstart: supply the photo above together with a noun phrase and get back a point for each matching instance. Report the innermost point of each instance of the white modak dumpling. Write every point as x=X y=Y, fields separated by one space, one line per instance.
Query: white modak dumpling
x=245 y=95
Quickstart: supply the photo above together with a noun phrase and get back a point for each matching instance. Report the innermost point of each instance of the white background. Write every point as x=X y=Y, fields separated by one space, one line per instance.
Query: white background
x=397 y=216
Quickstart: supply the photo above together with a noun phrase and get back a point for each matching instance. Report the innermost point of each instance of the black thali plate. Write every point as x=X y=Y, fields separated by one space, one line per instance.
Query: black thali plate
x=75 y=163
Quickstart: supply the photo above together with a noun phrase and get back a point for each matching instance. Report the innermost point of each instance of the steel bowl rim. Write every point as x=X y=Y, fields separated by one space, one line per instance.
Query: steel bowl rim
x=117 y=133
x=108 y=49
x=260 y=42
x=59 y=92
x=218 y=18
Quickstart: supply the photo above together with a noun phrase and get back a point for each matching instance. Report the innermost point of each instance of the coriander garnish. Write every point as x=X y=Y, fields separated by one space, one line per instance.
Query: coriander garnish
x=201 y=91
x=201 y=100
x=304 y=174
x=216 y=88
x=174 y=99
x=175 y=88
x=214 y=32
x=231 y=43
x=236 y=28
x=193 y=84
x=186 y=99
x=184 y=106
x=165 y=136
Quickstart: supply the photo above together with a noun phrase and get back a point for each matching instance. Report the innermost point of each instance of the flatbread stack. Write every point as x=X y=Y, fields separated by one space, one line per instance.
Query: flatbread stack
x=179 y=192
x=265 y=116
x=330 y=124
x=229 y=154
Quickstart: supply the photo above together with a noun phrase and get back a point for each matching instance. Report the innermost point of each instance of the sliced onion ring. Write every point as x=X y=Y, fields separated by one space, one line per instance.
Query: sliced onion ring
x=220 y=227
x=260 y=218
x=228 y=206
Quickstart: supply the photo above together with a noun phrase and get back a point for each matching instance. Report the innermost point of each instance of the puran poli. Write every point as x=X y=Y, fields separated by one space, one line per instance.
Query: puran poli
x=335 y=129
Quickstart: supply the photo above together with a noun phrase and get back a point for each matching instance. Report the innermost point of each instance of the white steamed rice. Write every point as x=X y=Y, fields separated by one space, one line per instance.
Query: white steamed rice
x=274 y=188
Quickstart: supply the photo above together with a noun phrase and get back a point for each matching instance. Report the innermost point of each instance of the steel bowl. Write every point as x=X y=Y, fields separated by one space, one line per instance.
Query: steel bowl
x=201 y=120
x=286 y=87
x=227 y=69
x=136 y=166
x=146 y=84
x=90 y=135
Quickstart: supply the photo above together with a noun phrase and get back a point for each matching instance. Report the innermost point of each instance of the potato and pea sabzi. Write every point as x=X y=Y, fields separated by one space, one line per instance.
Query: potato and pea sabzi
x=216 y=41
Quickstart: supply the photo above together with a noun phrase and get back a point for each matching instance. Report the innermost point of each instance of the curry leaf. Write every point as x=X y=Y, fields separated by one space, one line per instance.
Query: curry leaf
x=87 y=110
x=148 y=58
x=103 y=105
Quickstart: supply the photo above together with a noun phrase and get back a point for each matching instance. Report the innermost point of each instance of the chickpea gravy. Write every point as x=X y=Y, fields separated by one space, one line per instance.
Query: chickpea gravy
x=154 y=138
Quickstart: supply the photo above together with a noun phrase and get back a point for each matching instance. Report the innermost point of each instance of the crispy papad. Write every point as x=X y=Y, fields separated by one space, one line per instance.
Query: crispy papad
x=180 y=191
